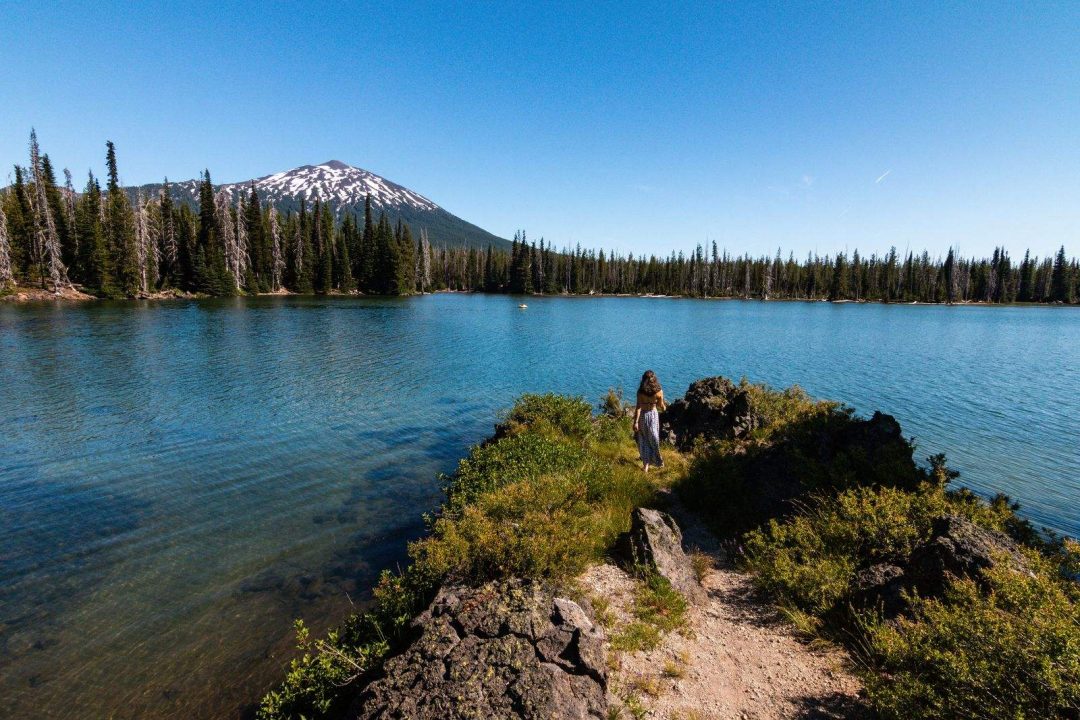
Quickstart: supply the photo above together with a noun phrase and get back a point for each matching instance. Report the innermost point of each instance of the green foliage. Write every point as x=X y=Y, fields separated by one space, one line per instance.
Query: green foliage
x=1012 y=652
x=569 y=415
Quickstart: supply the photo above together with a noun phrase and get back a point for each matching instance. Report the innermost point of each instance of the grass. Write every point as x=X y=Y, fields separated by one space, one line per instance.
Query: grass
x=657 y=609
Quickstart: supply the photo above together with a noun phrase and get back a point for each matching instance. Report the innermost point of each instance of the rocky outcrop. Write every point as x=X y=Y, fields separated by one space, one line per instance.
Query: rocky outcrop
x=655 y=540
x=505 y=650
x=957 y=548
x=713 y=408
x=960 y=548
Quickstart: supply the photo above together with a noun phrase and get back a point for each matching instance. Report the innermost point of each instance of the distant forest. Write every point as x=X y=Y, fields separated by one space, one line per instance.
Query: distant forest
x=100 y=241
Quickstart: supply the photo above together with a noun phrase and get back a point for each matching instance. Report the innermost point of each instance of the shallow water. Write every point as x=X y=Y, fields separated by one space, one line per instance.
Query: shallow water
x=179 y=480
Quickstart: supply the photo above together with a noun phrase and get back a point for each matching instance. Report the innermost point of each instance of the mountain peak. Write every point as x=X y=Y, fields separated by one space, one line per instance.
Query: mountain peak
x=340 y=184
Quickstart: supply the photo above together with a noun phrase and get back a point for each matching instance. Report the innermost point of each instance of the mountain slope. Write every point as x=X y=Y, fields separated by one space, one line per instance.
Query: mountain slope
x=344 y=188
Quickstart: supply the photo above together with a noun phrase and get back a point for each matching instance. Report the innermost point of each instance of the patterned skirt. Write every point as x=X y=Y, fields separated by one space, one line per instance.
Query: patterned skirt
x=648 y=438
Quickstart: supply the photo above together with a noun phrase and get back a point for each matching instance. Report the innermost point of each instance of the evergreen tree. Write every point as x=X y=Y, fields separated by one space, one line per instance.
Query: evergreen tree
x=170 y=249
x=366 y=261
x=406 y=266
x=1059 y=283
x=257 y=245
x=211 y=273
x=94 y=257
x=324 y=248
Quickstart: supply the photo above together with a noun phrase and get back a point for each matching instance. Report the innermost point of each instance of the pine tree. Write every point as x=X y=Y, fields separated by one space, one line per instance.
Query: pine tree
x=258 y=251
x=47 y=244
x=170 y=251
x=94 y=258
x=211 y=273
x=7 y=277
x=119 y=227
x=17 y=207
x=70 y=240
x=406 y=266
x=366 y=261
x=838 y=289
x=1059 y=283
x=344 y=244
x=423 y=262
x=305 y=284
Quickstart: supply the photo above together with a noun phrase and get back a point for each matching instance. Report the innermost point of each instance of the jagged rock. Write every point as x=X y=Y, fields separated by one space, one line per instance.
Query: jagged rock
x=655 y=540
x=880 y=587
x=712 y=408
x=960 y=548
x=505 y=650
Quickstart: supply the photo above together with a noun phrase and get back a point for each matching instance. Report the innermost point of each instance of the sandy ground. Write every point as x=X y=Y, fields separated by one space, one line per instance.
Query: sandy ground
x=735 y=660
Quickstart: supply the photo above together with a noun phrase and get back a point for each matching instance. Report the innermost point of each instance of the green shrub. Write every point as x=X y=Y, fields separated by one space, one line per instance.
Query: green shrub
x=1012 y=652
x=569 y=415
x=522 y=456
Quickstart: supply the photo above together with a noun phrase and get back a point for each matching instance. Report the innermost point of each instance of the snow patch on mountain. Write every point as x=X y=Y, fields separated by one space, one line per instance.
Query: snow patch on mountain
x=335 y=181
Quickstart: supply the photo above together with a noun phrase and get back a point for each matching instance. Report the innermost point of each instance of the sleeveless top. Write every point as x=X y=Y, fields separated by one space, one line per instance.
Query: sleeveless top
x=651 y=402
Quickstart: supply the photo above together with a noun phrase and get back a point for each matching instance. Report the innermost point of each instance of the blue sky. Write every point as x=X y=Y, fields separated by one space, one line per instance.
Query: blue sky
x=809 y=127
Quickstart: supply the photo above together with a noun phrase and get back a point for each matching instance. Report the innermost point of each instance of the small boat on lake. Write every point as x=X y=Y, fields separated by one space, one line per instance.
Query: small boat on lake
x=522 y=305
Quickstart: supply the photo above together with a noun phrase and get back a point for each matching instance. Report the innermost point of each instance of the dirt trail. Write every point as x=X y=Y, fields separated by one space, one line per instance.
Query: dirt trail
x=736 y=659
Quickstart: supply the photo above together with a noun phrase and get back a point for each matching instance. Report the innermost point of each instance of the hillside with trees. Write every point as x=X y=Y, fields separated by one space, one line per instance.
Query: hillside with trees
x=226 y=242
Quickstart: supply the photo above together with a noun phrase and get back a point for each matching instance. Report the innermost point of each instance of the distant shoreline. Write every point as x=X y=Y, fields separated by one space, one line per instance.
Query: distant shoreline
x=21 y=294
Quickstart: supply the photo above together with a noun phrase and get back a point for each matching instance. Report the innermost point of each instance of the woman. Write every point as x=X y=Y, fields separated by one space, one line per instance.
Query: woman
x=650 y=400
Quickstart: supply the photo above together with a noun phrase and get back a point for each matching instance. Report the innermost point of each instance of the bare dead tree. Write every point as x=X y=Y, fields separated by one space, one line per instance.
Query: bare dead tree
x=47 y=240
x=6 y=276
x=277 y=256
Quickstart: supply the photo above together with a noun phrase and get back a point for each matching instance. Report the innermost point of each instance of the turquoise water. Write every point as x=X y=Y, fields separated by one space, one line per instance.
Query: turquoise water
x=179 y=480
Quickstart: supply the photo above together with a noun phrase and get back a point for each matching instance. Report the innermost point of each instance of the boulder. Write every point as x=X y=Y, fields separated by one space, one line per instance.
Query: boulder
x=655 y=540
x=713 y=408
x=880 y=587
x=505 y=650
x=960 y=548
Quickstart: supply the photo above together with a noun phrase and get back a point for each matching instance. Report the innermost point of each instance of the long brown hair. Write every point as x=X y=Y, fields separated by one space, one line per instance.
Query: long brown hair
x=650 y=385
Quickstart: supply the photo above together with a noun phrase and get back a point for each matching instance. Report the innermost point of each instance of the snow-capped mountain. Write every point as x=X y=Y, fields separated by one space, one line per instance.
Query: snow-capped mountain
x=336 y=182
x=344 y=188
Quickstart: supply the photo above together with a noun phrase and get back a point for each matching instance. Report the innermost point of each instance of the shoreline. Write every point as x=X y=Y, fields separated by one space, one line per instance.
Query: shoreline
x=20 y=294
x=510 y=521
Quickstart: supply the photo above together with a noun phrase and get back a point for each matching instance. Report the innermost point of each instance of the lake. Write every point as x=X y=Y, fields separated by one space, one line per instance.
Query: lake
x=181 y=479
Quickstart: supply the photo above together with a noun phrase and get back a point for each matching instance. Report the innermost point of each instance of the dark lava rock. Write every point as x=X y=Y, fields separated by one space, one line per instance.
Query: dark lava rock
x=713 y=408
x=505 y=650
x=655 y=540
x=880 y=587
x=960 y=548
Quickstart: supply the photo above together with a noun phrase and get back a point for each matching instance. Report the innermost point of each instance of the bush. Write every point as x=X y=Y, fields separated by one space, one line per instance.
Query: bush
x=569 y=415
x=1013 y=652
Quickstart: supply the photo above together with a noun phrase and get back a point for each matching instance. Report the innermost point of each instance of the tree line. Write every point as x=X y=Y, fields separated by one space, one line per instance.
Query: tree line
x=111 y=245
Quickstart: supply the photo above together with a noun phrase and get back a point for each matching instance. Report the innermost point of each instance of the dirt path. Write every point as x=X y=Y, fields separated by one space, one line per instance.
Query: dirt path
x=735 y=659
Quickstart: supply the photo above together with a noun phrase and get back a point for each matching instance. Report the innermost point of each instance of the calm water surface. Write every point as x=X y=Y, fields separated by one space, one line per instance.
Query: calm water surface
x=179 y=480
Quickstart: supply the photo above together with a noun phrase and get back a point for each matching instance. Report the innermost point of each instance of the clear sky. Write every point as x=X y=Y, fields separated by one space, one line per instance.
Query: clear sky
x=637 y=127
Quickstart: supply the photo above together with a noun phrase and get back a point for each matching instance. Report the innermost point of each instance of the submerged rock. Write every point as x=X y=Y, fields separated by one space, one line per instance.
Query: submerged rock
x=505 y=650
x=655 y=540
